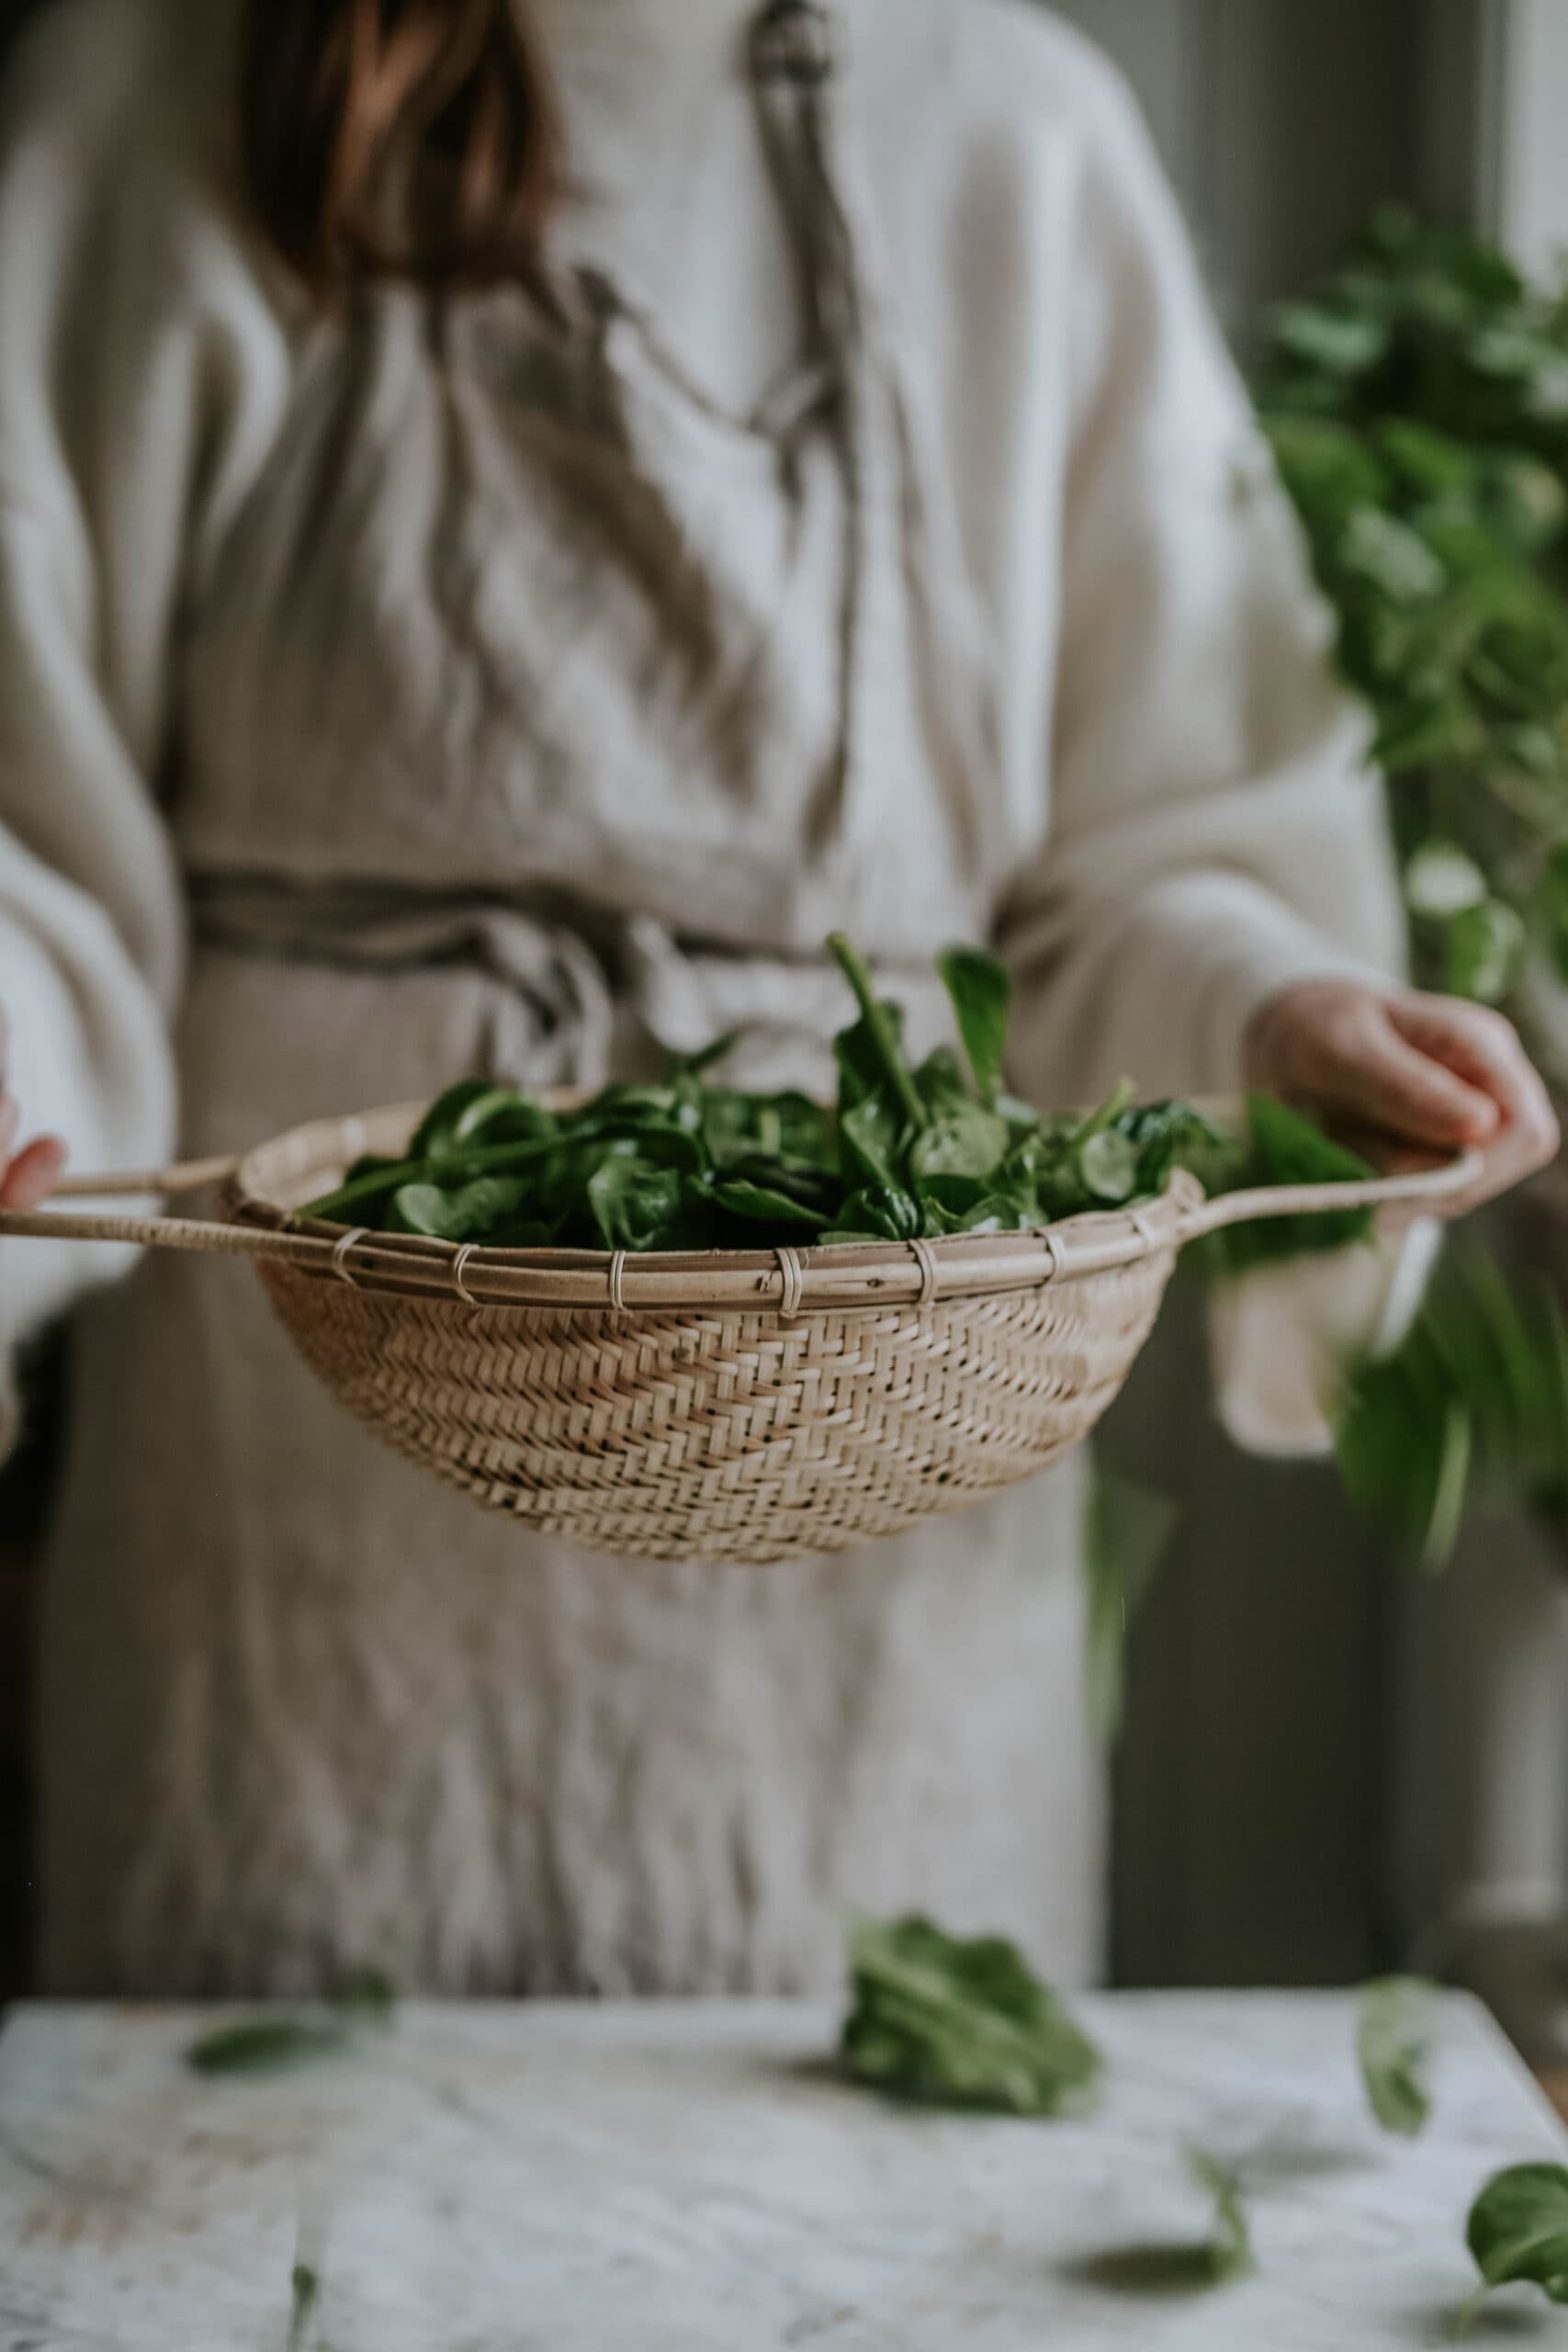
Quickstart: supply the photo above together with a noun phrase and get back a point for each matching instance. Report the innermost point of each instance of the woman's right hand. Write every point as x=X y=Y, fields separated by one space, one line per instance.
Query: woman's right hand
x=27 y=1176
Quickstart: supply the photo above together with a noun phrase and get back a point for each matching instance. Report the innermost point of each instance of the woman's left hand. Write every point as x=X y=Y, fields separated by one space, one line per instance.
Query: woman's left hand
x=1432 y=1073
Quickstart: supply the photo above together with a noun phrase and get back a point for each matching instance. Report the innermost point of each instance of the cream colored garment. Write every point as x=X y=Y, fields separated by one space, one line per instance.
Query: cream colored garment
x=292 y=602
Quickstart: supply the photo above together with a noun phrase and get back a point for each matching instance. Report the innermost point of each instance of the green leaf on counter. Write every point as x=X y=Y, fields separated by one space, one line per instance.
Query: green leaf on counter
x=1230 y=2241
x=280 y=2040
x=1396 y=2025
x=270 y=2045
x=305 y=2296
x=1517 y=2232
x=961 y=2023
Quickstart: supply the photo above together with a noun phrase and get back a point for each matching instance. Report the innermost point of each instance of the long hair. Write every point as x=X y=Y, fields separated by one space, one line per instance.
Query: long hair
x=416 y=138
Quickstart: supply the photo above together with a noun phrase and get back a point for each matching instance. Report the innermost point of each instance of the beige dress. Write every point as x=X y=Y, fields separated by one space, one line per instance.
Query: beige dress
x=484 y=690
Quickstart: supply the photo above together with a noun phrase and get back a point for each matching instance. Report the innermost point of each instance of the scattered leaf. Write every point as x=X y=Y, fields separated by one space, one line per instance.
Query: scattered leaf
x=1229 y=2243
x=956 y=2023
x=272 y=2045
x=1517 y=2232
x=1396 y=2025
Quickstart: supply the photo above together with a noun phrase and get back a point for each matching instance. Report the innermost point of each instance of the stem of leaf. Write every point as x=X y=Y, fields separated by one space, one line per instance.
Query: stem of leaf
x=880 y=1029
x=1125 y=1095
x=1468 y=2312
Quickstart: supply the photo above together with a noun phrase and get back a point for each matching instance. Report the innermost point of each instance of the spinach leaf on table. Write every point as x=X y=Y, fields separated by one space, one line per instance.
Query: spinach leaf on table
x=1517 y=2232
x=1230 y=2241
x=279 y=2041
x=1396 y=2025
x=966 y=2024
x=305 y=2296
x=270 y=2045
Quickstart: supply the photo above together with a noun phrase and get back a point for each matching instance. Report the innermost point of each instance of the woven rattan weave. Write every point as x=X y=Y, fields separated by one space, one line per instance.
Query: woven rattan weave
x=733 y=1406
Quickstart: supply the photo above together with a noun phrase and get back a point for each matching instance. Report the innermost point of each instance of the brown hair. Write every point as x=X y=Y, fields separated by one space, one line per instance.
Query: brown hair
x=414 y=138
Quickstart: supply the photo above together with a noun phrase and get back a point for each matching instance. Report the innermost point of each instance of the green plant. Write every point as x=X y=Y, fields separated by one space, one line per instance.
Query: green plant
x=1417 y=406
x=1472 y=1405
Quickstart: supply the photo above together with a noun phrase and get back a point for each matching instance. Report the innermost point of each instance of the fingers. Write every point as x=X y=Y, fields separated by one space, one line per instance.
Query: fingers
x=33 y=1174
x=1416 y=1070
x=1484 y=1050
x=1354 y=1062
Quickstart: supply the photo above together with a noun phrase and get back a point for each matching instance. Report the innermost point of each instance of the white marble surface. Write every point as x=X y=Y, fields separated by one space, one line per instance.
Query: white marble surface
x=489 y=2178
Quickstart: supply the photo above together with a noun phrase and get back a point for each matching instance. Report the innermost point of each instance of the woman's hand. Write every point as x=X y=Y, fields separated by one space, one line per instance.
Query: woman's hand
x=27 y=1176
x=1432 y=1073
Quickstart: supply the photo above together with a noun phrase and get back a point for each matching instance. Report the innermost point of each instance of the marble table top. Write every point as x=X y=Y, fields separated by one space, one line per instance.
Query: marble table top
x=582 y=2178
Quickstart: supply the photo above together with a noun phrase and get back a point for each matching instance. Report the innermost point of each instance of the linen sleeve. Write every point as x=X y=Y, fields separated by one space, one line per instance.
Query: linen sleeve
x=1216 y=832
x=119 y=393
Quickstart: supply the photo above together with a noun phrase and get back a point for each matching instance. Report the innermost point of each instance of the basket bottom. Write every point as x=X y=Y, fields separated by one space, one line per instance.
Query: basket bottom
x=727 y=1436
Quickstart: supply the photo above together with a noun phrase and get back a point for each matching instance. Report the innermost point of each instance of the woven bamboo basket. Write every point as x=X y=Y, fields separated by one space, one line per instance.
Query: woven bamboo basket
x=744 y=1406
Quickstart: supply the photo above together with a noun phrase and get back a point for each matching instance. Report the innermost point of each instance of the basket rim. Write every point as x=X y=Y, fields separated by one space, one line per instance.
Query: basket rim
x=784 y=1279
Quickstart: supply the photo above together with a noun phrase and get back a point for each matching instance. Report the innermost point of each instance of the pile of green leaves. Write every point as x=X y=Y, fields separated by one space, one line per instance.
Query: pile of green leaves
x=965 y=2024
x=906 y=1153
x=1418 y=405
x=1472 y=1407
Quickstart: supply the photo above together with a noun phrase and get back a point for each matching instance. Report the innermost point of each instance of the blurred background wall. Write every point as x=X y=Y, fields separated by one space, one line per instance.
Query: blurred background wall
x=1325 y=1769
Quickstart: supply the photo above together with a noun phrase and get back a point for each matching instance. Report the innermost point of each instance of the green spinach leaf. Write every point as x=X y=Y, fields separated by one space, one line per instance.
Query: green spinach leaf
x=1517 y=2230
x=956 y=2023
x=981 y=991
x=1396 y=2025
x=1230 y=2242
x=634 y=1200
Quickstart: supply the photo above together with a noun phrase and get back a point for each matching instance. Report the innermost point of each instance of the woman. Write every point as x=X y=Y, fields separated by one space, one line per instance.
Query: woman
x=518 y=515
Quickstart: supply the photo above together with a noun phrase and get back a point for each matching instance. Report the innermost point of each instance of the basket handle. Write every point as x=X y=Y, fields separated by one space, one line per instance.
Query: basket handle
x=187 y=1176
x=1447 y=1181
x=211 y=1237
x=1065 y=1251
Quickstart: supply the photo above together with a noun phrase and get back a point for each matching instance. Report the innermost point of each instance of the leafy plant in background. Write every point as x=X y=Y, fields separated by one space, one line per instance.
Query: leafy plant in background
x=1417 y=406
x=1472 y=1407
